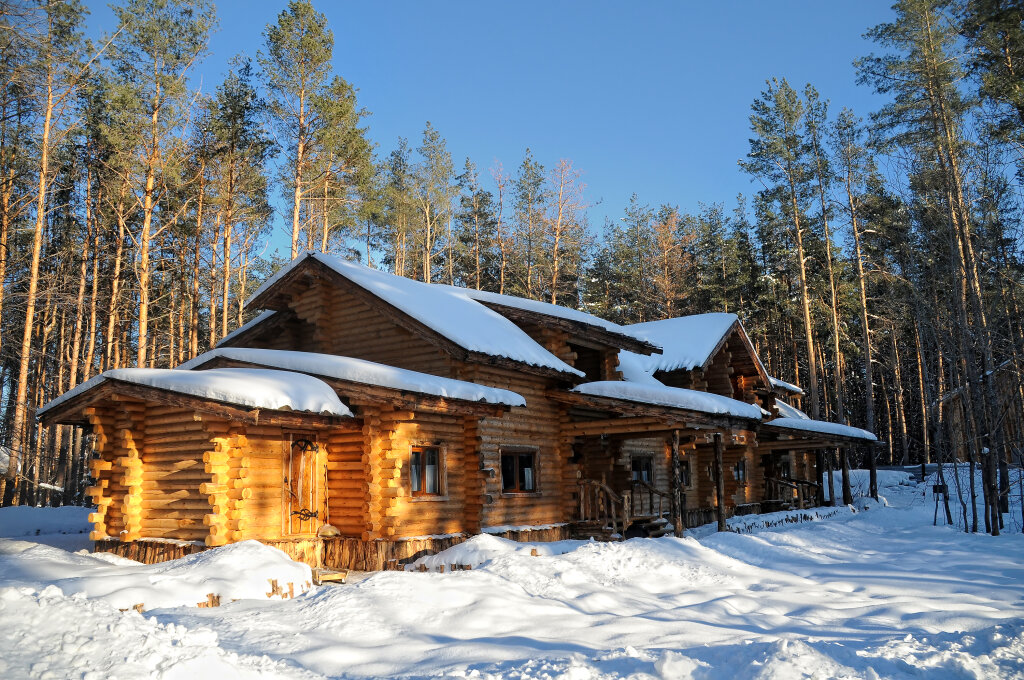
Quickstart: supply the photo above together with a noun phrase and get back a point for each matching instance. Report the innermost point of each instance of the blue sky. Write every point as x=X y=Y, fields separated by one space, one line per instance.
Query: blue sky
x=644 y=97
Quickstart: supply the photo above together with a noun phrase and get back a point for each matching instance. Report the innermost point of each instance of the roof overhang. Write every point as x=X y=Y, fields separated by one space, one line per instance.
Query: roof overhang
x=786 y=438
x=397 y=398
x=72 y=411
x=638 y=417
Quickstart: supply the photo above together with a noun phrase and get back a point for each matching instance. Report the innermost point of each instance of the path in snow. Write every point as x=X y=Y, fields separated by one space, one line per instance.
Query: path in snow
x=874 y=592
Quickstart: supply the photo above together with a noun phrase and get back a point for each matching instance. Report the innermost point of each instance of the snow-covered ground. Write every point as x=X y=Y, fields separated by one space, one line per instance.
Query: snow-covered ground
x=873 y=591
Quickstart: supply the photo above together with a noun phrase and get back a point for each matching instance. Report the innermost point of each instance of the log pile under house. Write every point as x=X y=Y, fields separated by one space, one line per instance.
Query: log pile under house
x=363 y=419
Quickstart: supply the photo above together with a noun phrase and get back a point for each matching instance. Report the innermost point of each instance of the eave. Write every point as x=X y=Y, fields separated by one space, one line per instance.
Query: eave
x=71 y=412
x=672 y=418
x=400 y=399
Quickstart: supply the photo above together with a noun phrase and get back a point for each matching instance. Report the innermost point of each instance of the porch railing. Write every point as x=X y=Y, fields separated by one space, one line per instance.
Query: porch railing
x=778 y=488
x=599 y=505
x=648 y=501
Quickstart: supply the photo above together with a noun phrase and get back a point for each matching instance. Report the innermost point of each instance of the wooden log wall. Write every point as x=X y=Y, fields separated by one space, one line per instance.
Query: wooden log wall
x=536 y=426
x=393 y=512
x=348 y=490
x=176 y=478
x=254 y=495
x=107 y=519
x=344 y=324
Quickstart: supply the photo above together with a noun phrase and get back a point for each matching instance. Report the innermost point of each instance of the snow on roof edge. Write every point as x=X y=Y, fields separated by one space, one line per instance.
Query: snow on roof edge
x=674 y=397
x=363 y=372
x=822 y=427
x=253 y=388
x=787 y=386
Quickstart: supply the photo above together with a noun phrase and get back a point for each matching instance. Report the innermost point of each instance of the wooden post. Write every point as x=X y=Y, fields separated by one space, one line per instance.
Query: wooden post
x=677 y=487
x=872 y=472
x=720 y=481
x=819 y=469
x=847 y=492
x=831 y=478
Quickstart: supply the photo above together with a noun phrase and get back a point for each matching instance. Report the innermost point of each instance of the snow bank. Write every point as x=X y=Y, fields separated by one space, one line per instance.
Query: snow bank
x=252 y=387
x=465 y=322
x=23 y=520
x=363 y=372
x=674 y=397
x=237 y=571
x=822 y=427
x=47 y=634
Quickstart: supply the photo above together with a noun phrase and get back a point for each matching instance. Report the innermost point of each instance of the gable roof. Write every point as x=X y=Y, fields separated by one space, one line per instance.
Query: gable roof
x=624 y=337
x=359 y=371
x=454 y=317
x=690 y=342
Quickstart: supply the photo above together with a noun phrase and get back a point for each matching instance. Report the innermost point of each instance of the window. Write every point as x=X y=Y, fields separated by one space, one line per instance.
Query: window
x=784 y=470
x=684 y=472
x=589 y=361
x=739 y=471
x=425 y=471
x=518 y=471
x=643 y=469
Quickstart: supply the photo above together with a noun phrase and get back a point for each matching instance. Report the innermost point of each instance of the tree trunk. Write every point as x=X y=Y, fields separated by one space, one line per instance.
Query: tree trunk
x=18 y=440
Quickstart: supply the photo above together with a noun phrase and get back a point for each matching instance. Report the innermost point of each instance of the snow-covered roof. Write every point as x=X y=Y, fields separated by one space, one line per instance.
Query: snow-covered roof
x=362 y=372
x=258 y=319
x=686 y=341
x=674 y=397
x=251 y=387
x=548 y=309
x=787 y=410
x=445 y=310
x=785 y=386
x=822 y=427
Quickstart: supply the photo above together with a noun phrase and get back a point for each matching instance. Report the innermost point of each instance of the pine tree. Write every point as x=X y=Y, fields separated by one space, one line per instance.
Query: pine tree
x=297 y=64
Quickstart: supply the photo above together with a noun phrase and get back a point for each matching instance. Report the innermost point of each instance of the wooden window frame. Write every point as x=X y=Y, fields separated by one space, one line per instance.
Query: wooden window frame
x=633 y=459
x=685 y=473
x=739 y=471
x=442 y=473
x=518 y=451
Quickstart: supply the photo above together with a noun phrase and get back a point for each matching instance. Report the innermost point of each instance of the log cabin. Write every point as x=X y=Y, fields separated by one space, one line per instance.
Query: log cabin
x=362 y=419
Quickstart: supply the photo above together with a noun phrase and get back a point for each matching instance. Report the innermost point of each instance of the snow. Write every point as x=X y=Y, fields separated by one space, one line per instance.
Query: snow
x=66 y=527
x=633 y=369
x=822 y=427
x=787 y=386
x=232 y=572
x=686 y=341
x=548 y=309
x=252 y=387
x=363 y=372
x=674 y=397
x=868 y=591
x=447 y=311
x=787 y=410
x=258 y=319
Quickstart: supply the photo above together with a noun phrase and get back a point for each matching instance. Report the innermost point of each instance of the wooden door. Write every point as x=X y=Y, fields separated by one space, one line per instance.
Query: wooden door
x=303 y=484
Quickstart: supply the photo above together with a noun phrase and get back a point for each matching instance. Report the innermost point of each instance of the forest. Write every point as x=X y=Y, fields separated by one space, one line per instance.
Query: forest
x=877 y=263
